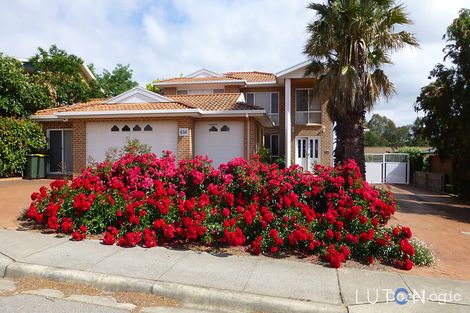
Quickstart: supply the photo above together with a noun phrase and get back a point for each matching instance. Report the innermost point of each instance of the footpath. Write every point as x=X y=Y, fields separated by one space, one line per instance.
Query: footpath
x=226 y=283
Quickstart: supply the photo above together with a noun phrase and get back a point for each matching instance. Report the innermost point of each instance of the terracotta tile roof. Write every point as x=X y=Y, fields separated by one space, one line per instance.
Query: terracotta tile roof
x=254 y=76
x=250 y=77
x=208 y=102
x=198 y=79
x=100 y=106
x=215 y=102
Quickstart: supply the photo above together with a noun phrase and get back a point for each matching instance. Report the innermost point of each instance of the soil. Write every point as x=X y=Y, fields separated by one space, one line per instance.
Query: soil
x=15 y=199
x=140 y=300
x=441 y=221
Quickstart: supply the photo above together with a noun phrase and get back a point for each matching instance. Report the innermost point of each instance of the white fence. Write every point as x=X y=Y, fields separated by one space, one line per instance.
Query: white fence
x=391 y=168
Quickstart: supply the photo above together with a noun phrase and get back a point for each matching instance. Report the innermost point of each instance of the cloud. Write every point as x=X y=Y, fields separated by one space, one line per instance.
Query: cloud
x=164 y=38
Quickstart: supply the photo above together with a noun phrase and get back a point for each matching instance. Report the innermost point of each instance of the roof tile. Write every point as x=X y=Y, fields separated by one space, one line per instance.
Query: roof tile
x=207 y=102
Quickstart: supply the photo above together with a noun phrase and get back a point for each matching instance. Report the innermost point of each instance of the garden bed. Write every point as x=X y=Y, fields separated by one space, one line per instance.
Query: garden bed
x=331 y=214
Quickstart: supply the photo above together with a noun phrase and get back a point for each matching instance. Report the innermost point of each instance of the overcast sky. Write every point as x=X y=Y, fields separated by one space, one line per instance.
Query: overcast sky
x=164 y=38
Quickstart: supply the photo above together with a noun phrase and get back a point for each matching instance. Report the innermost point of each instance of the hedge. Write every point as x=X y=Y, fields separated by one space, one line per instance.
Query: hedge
x=18 y=137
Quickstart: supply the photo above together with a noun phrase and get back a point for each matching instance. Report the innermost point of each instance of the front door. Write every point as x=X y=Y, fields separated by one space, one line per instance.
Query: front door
x=307 y=152
x=60 y=151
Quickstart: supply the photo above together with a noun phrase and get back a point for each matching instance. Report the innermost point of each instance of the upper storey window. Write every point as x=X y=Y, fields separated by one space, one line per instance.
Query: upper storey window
x=268 y=101
x=307 y=108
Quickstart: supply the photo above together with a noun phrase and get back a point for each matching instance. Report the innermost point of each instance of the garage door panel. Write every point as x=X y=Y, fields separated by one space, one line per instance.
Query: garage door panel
x=100 y=137
x=220 y=141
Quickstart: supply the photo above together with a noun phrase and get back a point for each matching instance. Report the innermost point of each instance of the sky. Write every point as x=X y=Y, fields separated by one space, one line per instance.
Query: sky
x=167 y=38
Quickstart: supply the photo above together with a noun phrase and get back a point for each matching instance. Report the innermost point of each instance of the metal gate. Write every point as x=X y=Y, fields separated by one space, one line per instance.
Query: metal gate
x=391 y=168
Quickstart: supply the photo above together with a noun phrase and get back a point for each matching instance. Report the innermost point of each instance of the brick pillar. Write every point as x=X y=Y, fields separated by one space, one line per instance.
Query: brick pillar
x=78 y=146
x=186 y=143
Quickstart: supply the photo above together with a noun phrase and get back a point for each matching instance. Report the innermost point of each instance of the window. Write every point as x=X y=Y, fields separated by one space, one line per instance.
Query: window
x=148 y=128
x=126 y=128
x=225 y=128
x=268 y=101
x=181 y=92
x=213 y=129
x=115 y=128
x=271 y=141
x=307 y=108
x=137 y=128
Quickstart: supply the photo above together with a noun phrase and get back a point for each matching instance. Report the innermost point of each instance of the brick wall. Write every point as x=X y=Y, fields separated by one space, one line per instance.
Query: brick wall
x=186 y=144
x=232 y=88
x=169 y=91
x=78 y=146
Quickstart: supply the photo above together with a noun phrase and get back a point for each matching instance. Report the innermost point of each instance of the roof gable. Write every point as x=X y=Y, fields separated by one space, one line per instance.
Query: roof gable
x=296 y=71
x=138 y=95
x=203 y=73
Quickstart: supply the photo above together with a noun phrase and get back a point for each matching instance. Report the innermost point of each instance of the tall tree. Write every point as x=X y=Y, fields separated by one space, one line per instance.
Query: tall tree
x=117 y=81
x=63 y=73
x=19 y=94
x=348 y=44
x=446 y=103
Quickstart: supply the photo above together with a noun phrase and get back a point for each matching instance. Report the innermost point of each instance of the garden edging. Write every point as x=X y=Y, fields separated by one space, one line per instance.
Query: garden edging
x=191 y=296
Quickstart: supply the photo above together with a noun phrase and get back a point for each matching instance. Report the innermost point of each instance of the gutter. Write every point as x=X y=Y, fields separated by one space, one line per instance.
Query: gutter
x=200 y=82
x=260 y=115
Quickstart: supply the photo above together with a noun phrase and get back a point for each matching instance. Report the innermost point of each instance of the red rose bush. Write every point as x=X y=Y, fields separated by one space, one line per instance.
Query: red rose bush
x=149 y=201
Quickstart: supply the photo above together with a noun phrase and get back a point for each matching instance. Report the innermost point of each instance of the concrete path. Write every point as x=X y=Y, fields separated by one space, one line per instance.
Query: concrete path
x=226 y=282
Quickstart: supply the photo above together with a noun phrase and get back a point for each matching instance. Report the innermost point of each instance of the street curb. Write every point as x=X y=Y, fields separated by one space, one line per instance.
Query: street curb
x=191 y=296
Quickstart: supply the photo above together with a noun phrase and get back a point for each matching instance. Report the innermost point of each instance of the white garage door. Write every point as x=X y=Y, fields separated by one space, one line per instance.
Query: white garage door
x=220 y=141
x=102 y=136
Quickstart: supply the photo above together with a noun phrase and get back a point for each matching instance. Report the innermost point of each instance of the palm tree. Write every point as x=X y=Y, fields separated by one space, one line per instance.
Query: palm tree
x=349 y=43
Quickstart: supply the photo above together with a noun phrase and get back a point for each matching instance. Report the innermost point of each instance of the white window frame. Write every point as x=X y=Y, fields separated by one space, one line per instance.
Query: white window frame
x=48 y=135
x=270 y=114
x=308 y=109
x=270 y=136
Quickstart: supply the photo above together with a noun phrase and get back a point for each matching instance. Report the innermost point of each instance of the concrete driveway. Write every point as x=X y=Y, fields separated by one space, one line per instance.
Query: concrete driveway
x=441 y=221
x=15 y=198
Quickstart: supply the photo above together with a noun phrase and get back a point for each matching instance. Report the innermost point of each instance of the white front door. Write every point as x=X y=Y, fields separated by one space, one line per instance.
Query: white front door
x=307 y=152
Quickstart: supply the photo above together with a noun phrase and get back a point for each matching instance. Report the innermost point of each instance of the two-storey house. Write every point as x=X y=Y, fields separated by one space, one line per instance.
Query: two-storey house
x=222 y=116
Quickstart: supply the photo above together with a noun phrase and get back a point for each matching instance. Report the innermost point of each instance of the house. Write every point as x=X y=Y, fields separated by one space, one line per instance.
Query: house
x=205 y=113
x=85 y=71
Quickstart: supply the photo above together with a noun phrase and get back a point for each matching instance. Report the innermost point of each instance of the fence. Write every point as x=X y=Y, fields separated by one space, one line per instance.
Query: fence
x=429 y=181
x=392 y=168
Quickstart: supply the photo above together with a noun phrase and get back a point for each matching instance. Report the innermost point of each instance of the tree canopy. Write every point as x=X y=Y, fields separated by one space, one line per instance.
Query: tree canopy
x=446 y=103
x=20 y=95
x=116 y=82
x=382 y=132
x=62 y=73
x=348 y=44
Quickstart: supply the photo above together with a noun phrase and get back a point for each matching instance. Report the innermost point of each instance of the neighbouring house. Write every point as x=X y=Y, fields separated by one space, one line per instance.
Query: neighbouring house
x=222 y=116
x=85 y=71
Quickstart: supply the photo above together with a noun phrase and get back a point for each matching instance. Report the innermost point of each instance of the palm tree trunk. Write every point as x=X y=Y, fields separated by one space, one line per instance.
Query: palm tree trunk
x=350 y=139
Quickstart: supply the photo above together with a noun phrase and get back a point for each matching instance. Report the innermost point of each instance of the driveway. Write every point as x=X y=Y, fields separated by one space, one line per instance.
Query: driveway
x=441 y=221
x=15 y=198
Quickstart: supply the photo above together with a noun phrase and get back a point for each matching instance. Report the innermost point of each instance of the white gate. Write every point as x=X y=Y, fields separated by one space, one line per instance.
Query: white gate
x=392 y=168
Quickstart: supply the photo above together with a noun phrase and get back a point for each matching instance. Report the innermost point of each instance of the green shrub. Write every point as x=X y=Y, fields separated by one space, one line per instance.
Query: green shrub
x=423 y=254
x=18 y=137
x=416 y=158
x=264 y=155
